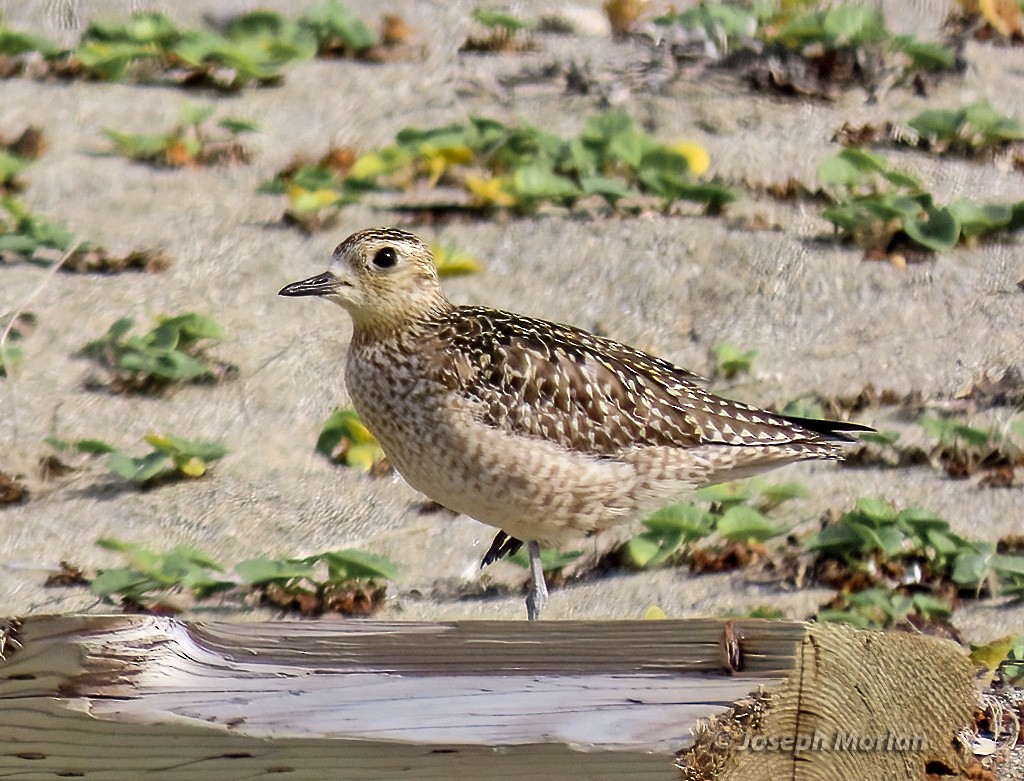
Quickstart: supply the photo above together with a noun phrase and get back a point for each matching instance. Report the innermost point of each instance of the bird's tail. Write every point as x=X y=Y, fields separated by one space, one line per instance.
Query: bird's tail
x=835 y=430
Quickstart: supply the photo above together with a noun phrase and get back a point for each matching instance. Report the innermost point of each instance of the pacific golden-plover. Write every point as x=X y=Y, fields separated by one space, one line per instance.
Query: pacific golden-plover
x=542 y=430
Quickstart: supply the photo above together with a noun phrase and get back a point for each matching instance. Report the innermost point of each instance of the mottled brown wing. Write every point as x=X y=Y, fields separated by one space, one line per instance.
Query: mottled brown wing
x=591 y=394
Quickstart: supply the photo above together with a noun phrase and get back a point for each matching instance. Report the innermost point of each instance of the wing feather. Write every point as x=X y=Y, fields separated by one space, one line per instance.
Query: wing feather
x=594 y=395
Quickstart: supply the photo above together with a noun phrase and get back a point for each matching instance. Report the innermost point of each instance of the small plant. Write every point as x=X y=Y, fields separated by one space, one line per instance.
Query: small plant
x=736 y=513
x=876 y=545
x=338 y=32
x=253 y=48
x=345 y=440
x=995 y=22
x=11 y=165
x=346 y=581
x=189 y=143
x=879 y=608
x=170 y=458
x=731 y=361
x=453 y=262
x=503 y=33
x=968 y=130
x=13 y=328
x=960 y=448
x=28 y=236
x=173 y=352
x=880 y=208
x=800 y=50
x=518 y=168
x=149 y=577
x=977 y=131
x=17 y=154
x=353 y=583
x=32 y=238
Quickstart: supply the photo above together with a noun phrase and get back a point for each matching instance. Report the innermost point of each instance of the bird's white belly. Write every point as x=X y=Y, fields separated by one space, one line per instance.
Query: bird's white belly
x=532 y=488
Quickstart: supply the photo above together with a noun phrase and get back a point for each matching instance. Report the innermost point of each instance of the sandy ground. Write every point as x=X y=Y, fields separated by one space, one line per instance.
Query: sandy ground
x=821 y=318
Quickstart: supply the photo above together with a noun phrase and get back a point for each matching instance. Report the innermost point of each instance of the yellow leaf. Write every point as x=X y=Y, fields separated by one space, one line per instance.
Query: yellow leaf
x=993 y=654
x=696 y=156
x=654 y=613
x=1004 y=16
x=488 y=192
x=194 y=467
x=304 y=200
x=440 y=160
x=367 y=166
x=158 y=441
x=359 y=433
x=622 y=14
x=453 y=262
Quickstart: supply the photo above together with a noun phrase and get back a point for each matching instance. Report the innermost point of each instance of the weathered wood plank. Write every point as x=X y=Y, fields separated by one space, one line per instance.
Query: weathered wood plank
x=112 y=697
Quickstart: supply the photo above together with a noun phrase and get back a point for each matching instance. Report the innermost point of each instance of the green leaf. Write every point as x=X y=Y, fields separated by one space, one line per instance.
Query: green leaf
x=850 y=166
x=238 y=126
x=13 y=43
x=1006 y=563
x=122 y=580
x=731 y=361
x=653 y=548
x=138 y=470
x=178 y=446
x=972 y=568
x=725 y=493
x=607 y=187
x=940 y=232
x=94 y=446
x=194 y=326
x=877 y=511
x=832 y=616
x=330 y=18
x=926 y=55
x=993 y=125
x=496 y=19
x=834 y=540
x=744 y=524
x=948 y=431
x=929 y=607
x=138 y=146
x=194 y=114
x=980 y=219
x=351 y=563
x=11 y=165
x=853 y=25
x=774 y=494
x=690 y=521
x=260 y=570
x=141 y=558
x=537 y=182
x=941 y=124
x=10 y=356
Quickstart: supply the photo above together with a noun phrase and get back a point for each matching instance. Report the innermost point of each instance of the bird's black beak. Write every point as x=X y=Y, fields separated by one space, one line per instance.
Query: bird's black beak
x=320 y=285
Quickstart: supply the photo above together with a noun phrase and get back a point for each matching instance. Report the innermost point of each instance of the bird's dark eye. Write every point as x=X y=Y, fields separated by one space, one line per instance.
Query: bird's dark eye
x=385 y=258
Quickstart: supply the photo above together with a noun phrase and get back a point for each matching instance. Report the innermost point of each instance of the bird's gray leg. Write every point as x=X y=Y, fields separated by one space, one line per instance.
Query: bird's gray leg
x=537 y=595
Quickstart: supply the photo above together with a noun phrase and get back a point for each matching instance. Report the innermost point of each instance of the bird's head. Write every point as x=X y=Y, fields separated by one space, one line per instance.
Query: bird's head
x=384 y=277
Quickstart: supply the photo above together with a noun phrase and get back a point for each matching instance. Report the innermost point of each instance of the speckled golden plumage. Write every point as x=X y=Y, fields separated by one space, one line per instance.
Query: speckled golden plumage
x=542 y=430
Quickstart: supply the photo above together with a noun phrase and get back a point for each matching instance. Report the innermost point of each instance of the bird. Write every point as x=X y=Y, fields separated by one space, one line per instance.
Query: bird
x=543 y=430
